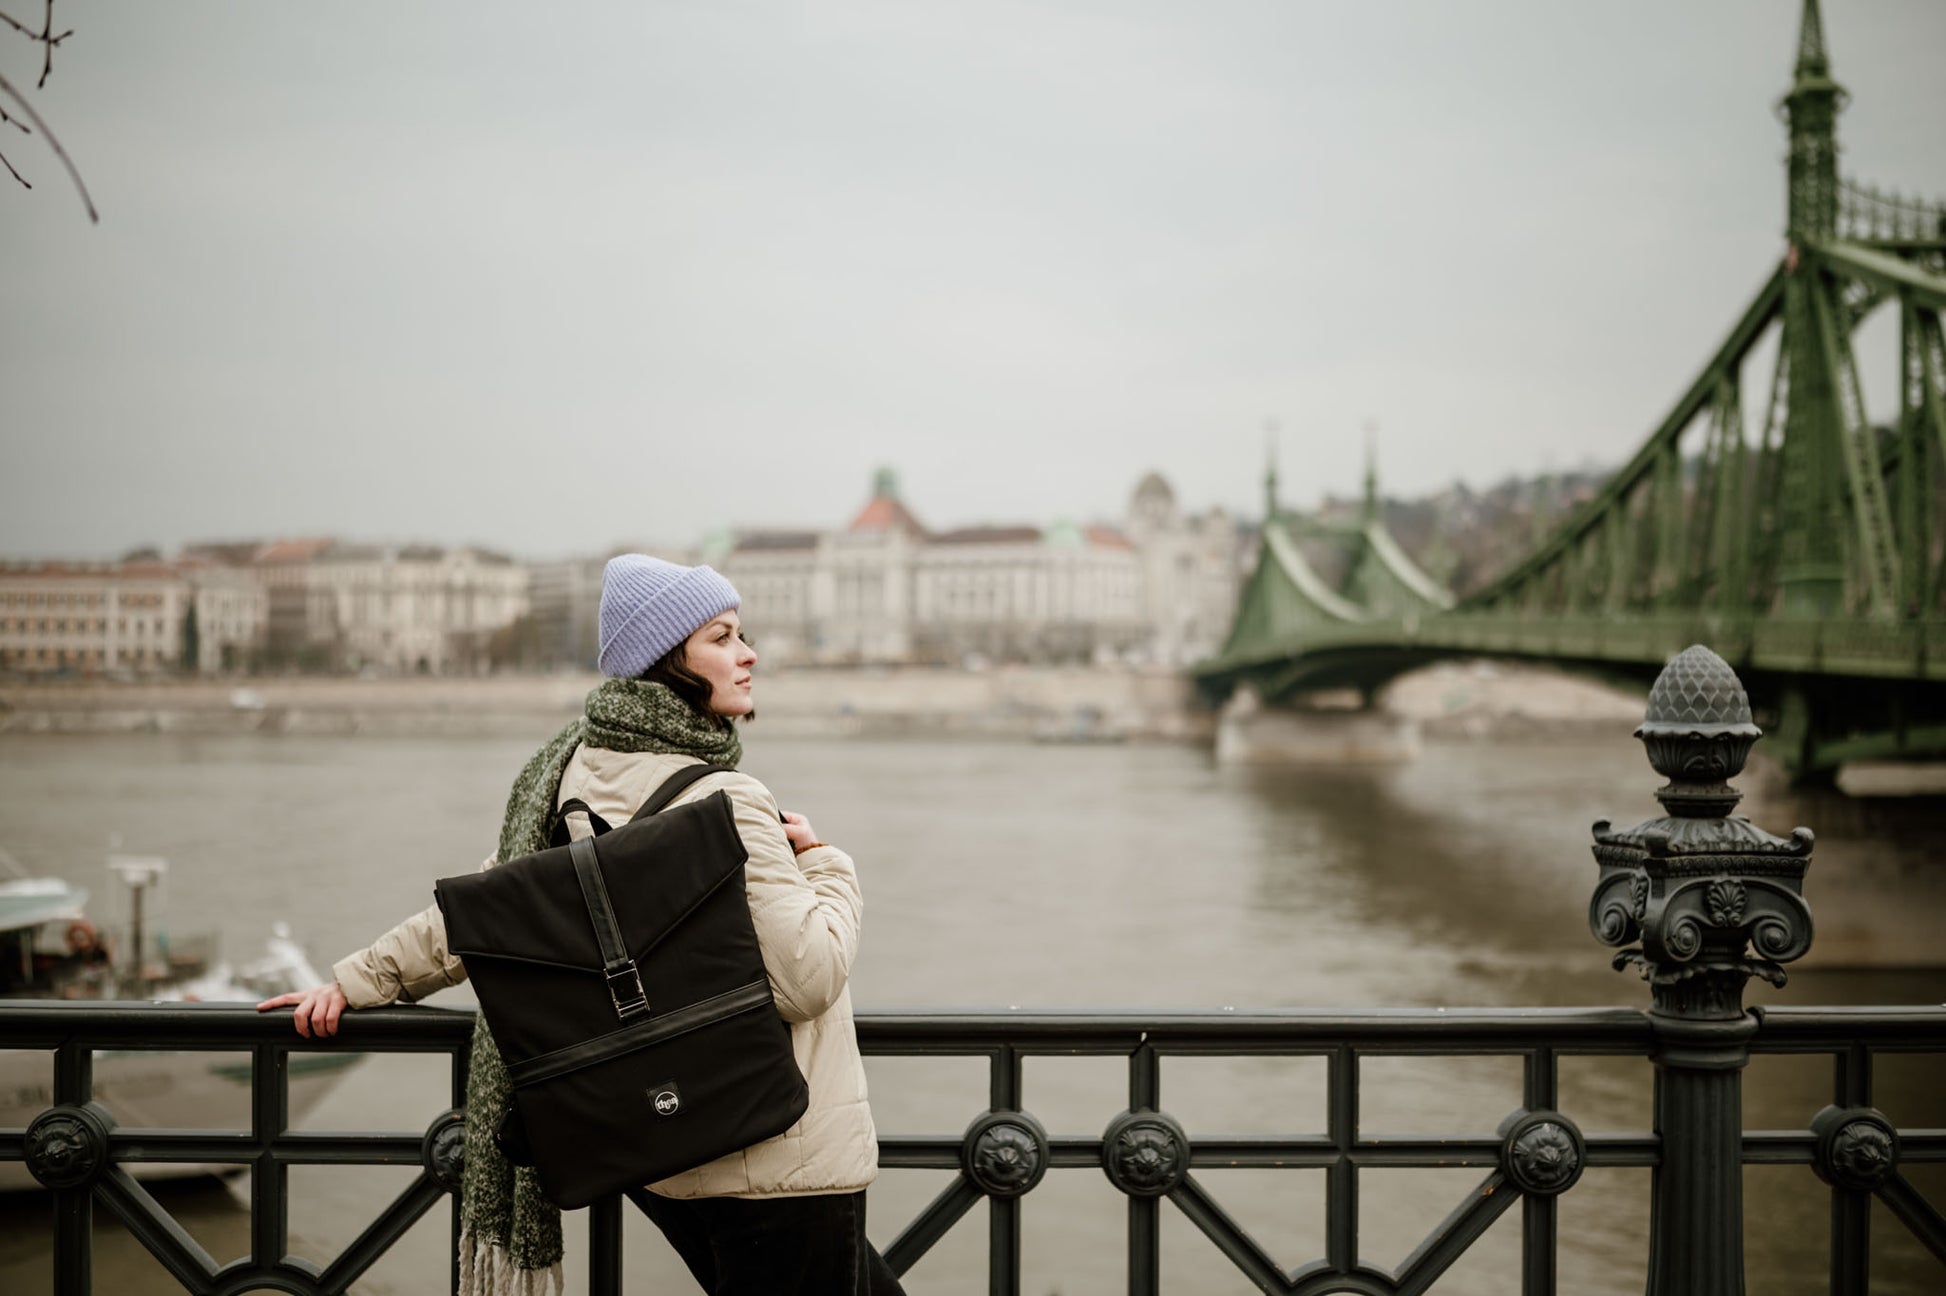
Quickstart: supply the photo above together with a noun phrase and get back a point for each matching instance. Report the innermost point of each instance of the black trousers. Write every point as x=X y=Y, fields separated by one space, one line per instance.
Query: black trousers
x=773 y=1246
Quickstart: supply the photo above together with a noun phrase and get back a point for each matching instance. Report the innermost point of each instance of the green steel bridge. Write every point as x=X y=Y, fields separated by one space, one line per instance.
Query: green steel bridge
x=1811 y=555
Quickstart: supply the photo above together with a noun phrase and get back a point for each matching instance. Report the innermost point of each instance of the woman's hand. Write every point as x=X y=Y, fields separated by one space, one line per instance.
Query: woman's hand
x=317 y=1011
x=798 y=831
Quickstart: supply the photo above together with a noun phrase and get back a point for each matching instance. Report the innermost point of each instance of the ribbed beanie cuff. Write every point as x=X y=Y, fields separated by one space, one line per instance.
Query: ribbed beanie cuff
x=648 y=606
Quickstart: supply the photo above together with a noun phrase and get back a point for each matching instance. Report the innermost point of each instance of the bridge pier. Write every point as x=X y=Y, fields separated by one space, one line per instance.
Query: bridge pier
x=1823 y=725
x=1796 y=737
x=1252 y=732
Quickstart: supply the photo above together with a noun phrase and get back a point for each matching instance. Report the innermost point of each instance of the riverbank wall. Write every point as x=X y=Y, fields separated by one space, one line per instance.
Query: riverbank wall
x=1063 y=704
x=1053 y=703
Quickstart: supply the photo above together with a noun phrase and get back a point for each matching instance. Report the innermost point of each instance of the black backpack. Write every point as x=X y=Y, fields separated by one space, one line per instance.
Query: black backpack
x=621 y=978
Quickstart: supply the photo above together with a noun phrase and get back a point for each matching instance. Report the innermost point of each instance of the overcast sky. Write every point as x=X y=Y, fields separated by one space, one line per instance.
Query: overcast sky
x=548 y=277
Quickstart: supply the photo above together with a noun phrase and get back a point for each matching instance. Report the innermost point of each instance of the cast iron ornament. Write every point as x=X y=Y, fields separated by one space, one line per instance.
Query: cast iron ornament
x=68 y=1146
x=1698 y=731
x=1858 y=1148
x=444 y=1149
x=1712 y=899
x=1542 y=1152
x=1004 y=1153
x=1145 y=1153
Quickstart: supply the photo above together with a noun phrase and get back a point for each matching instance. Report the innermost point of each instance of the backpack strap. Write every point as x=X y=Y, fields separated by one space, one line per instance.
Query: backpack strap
x=673 y=785
x=617 y=968
x=559 y=837
x=668 y=791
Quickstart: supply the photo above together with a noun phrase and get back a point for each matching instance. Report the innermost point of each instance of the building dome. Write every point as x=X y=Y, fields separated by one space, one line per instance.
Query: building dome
x=1154 y=502
x=1154 y=488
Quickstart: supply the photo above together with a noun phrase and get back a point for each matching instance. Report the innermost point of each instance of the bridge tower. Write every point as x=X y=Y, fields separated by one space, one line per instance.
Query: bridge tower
x=1811 y=110
x=1811 y=575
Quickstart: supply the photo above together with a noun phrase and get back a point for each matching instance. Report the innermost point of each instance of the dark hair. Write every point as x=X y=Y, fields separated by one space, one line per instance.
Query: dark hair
x=672 y=669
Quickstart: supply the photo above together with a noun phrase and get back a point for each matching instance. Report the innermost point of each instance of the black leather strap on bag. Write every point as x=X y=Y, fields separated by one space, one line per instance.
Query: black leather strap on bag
x=624 y=982
x=672 y=786
x=560 y=835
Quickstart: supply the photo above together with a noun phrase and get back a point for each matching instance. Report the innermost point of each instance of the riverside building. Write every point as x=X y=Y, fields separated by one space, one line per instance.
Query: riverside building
x=414 y=608
x=1159 y=588
x=136 y=617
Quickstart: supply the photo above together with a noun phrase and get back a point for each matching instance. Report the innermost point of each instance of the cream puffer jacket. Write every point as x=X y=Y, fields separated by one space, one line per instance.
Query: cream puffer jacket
x=806 y=910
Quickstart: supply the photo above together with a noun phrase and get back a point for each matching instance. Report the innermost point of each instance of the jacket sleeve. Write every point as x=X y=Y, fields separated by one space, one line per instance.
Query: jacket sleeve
x=806 y=908
x=407 y=963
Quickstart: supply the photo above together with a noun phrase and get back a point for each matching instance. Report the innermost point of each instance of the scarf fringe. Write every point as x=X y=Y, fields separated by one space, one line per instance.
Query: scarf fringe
x=487 y=1269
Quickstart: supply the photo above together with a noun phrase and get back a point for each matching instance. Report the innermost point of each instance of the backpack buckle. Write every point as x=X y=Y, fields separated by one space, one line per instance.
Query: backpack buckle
x=628 y=997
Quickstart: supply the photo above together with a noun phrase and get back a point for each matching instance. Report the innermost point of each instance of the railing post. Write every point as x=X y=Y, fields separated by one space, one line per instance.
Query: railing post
x=1699 y=888
x=605 y=1247
x=81 y=1148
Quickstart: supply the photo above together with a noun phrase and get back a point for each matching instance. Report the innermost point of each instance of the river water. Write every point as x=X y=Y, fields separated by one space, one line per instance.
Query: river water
x=1056 y=876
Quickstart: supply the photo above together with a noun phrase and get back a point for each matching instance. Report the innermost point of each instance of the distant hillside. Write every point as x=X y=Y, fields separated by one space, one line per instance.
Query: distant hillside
x=1466 y=537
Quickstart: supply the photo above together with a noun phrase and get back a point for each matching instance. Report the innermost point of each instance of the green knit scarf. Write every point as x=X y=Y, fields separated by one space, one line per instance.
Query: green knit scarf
x=510 y=1234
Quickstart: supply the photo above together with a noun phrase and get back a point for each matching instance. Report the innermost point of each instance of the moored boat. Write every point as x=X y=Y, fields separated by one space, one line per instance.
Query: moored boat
x=51 y=949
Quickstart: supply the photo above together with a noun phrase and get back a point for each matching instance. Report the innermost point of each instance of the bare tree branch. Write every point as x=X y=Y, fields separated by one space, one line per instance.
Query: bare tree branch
x=45 y=37
x=7 y=89
x=48 y=41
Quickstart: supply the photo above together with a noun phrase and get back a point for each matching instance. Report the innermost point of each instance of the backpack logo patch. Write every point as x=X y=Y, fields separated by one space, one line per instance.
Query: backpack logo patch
x=665 y=1098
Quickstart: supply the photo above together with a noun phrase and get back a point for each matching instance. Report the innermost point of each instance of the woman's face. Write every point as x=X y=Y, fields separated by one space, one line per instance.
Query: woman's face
x=717 y=654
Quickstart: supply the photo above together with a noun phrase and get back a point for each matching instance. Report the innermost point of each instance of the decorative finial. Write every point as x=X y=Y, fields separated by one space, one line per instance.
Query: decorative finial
x=1698 y=733
x=1270 y=471
x=1371 y=472
x=1811 y=58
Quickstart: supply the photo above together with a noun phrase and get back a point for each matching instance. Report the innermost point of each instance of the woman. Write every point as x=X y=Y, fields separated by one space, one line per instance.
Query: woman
x=786 y=1215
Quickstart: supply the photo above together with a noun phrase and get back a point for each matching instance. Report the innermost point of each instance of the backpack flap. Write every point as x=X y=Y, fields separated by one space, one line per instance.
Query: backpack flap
x=656 y=870
x=528 y=941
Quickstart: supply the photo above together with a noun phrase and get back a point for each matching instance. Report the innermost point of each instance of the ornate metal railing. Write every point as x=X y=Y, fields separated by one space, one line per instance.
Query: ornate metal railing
x=1701 y=900
x=1870 y=214
x=1539 y=1152
x=78 y=1151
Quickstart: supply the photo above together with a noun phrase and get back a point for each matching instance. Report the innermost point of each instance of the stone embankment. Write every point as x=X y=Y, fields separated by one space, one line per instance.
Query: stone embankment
x=1483 y=699
x=1070 y=704
x=1055 y=703
x=1453 y=700
x=291 y=705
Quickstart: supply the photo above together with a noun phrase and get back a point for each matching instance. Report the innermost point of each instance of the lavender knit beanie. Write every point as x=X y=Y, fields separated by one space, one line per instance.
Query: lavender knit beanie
x=648 y=606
